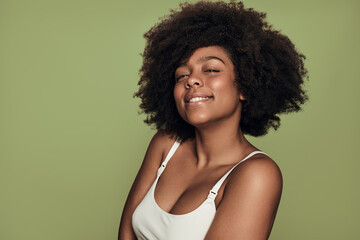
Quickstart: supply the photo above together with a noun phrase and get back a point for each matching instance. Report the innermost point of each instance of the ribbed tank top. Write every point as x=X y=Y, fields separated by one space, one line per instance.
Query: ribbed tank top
x=150 y=222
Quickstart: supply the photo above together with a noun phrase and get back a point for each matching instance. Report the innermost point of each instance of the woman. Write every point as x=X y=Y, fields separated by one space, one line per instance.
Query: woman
x=211 y=73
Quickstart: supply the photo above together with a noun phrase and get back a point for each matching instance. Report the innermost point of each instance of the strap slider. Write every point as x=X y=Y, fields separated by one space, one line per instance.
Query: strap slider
x=212 y=194
x=161 y=169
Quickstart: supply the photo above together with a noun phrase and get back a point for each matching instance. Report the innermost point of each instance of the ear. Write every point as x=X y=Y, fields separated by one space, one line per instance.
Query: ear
x=242 y=98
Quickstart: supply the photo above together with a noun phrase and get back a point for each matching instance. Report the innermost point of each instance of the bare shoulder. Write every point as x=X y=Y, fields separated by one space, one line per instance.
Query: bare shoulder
x=251 y=198
x=260 y=171
x=159 y=145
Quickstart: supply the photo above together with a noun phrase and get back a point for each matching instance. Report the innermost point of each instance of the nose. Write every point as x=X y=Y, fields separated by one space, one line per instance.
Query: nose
x=193 y=81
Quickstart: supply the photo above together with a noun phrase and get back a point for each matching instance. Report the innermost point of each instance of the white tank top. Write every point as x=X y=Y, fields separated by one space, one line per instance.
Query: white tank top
x=150 y=222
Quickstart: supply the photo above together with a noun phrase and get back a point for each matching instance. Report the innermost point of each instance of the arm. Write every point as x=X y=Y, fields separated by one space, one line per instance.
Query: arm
x=250 y=201
x=143 y=181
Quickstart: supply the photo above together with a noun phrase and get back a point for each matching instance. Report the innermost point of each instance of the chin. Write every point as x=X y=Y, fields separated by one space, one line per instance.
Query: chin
x=197 y=120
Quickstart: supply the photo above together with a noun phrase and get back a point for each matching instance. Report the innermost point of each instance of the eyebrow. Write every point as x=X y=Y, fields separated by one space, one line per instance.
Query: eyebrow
x=203 y=59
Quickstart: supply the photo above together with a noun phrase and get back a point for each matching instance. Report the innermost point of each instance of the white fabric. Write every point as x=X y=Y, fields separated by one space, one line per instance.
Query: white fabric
x=150 y=222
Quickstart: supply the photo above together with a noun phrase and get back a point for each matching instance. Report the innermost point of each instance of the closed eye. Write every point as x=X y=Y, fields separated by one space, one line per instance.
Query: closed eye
x=178 y=78
x=212 y=70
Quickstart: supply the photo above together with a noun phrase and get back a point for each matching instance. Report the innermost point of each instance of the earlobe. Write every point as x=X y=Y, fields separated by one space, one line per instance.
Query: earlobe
x=242 y=98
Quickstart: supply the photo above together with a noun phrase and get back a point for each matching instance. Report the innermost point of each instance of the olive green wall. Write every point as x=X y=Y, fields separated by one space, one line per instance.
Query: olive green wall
x=71 y=140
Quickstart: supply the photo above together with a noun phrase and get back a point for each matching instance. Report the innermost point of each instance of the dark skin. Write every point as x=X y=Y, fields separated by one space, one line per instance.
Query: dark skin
x=206 y=97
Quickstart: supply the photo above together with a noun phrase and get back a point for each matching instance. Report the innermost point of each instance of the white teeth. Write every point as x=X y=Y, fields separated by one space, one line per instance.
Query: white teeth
x=196 y=99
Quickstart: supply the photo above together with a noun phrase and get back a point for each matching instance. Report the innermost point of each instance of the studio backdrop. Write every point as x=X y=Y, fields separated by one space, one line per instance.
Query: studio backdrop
x=71 y=139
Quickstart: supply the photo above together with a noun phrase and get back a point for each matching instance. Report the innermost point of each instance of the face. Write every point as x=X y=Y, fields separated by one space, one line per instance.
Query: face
x=205 y=91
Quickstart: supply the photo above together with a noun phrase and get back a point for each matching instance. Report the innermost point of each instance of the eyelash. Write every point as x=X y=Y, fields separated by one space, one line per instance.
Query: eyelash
x=212 y=70
x=181 y=76
x=207 y=70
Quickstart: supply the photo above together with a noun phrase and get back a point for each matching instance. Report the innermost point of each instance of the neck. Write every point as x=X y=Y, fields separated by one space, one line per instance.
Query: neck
x=220 y=143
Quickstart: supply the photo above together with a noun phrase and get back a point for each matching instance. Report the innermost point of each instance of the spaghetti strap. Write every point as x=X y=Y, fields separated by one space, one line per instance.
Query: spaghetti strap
x=213 y=192
x=168 y=156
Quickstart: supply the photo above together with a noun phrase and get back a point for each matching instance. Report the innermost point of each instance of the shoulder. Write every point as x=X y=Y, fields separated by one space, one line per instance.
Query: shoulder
x=159 y=146
x=258 y=174
x=250 y=199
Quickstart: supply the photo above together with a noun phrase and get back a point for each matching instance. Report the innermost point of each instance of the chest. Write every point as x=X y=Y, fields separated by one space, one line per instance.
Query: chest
x=149 y=221
x=182 y=188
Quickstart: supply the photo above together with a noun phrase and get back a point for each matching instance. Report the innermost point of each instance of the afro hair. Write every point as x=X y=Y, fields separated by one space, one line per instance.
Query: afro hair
x=269 y=70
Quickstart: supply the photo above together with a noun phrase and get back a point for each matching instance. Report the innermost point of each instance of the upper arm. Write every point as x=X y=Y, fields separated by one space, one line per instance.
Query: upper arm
x=249 y=204
x=144 y=178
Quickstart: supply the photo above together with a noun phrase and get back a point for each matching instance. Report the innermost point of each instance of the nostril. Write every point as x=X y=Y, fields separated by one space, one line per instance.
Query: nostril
x=191 y=82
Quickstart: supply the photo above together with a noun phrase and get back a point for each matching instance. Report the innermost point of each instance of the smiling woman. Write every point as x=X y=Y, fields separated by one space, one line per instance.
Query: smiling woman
x=205 y=89
x=211 y=73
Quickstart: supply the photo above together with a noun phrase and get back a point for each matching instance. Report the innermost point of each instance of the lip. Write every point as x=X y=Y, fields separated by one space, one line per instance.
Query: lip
x=189 y=96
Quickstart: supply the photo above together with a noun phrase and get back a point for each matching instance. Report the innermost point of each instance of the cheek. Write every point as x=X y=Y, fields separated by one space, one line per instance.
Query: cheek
x=227 y=91
x=178 y=96
x=225 y=87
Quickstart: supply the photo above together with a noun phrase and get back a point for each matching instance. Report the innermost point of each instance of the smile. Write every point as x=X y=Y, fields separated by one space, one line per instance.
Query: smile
x=197 y=99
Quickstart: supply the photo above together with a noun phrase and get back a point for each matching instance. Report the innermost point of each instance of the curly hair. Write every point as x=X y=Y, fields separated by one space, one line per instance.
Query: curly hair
x=269 y=70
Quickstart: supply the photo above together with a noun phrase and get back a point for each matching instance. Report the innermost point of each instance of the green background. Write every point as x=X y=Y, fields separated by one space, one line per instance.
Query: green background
x=71 y=139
